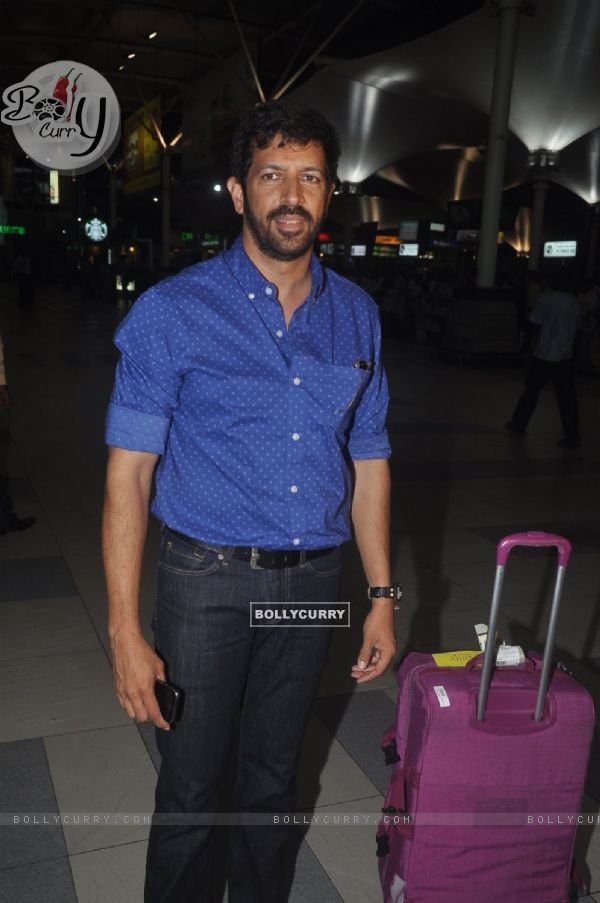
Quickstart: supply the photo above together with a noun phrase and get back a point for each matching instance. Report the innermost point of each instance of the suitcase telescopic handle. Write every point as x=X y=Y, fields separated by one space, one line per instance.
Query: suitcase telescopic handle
x=504 y=548
x=533 y=538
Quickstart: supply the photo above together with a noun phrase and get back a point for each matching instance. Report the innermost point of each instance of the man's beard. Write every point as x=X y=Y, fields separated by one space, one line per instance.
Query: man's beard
x=280 y=247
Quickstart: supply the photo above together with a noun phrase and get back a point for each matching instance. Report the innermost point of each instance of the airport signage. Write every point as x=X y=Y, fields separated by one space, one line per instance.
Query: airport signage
x=560 y=249
x=408 y=250
x=12 y=230
x=95 y=229
x=408 y=230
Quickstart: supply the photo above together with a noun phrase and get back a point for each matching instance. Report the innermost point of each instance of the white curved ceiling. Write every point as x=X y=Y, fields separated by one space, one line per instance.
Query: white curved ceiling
x=436 y=91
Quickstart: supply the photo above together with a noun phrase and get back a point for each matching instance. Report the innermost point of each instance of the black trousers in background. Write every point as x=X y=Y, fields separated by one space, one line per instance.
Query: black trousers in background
x=561 y=374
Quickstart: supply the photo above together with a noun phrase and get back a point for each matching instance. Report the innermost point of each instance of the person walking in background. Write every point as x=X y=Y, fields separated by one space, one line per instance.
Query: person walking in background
x=8 y=518
x=23 y=269
x=553 y=326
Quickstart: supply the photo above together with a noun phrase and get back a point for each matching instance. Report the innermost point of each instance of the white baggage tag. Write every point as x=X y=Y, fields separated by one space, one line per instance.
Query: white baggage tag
x=442 y=696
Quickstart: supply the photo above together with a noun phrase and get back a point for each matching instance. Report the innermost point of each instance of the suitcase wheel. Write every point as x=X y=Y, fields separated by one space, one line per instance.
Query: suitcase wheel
x=390 y=751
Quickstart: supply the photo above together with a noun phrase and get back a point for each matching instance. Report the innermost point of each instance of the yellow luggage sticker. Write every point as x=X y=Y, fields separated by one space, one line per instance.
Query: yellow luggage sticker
x=454 y=659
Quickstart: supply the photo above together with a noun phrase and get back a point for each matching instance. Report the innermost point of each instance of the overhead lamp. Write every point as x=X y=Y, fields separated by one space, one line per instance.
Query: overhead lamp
x=152 y=35
x=155 y=200
x=121 y=67
x=131 y=56
x=350 y=188
x=176 y=139
x=543 y=160
x=217 y=187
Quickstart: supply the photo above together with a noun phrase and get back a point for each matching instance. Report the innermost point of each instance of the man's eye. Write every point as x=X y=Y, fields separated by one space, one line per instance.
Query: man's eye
x=270 y=176
x=309 y=177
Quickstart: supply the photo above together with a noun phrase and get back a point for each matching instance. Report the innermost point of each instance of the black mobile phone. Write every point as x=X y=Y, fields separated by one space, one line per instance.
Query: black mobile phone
x=170 y=700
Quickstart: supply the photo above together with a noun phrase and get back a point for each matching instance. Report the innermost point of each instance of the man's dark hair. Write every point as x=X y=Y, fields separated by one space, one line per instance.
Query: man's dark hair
x=262 y=122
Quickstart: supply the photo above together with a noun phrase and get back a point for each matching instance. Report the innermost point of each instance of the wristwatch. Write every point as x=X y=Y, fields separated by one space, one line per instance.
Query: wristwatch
x=385 y=592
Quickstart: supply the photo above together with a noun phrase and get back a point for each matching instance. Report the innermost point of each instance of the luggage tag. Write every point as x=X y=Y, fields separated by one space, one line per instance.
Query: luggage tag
x=454 y=659
x=507 y=656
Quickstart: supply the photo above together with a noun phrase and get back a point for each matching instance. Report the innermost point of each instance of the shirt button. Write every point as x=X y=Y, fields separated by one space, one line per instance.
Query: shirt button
x=297 y=380
x=293 y=489
x=296 y=541
x=251 y=296
x=279 y=333
x=268 y=290
x=295 y=436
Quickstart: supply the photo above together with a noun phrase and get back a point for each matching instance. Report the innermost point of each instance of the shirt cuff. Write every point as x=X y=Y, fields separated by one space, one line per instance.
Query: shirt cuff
x=371 y=447
x=135 y=430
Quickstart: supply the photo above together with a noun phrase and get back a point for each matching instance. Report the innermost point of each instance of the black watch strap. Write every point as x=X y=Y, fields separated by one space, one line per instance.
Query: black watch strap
x=385 y=592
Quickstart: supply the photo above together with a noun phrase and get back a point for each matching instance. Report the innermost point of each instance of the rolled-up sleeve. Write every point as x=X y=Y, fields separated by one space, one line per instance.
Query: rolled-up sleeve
x=368 y=436
x=147 y=380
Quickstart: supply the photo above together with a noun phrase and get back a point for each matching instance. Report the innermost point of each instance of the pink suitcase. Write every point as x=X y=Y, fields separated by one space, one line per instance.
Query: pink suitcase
x=488 y=772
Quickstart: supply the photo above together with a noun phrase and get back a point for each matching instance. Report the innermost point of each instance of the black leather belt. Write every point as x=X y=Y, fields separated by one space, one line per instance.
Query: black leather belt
x=277 y=558
x=259 y=559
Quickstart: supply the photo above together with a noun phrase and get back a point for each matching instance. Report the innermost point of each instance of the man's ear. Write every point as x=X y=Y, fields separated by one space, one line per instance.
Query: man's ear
x=236 y=191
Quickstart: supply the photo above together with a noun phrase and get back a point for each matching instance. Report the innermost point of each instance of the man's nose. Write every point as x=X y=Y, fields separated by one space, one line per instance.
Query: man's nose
x=293 y=194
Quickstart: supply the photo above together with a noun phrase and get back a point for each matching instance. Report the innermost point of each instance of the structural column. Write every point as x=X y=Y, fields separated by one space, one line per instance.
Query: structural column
x=113 y=198
x=112 y=223
x=508 y=28
x=166 y=209
x=593 y=245
x=540 y=188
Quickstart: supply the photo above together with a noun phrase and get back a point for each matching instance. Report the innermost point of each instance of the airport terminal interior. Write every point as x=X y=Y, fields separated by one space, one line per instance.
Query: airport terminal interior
x=460 y=482
x=441 y=210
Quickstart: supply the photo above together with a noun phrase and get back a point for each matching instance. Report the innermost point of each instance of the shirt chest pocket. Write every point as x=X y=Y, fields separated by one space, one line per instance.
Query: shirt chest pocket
x=334 y=391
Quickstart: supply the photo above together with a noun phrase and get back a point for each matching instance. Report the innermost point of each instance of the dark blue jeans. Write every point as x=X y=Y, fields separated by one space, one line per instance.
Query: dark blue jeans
x=266 y=677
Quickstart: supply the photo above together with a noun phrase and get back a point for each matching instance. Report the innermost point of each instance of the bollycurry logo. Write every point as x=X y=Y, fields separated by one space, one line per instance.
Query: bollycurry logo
x=65 y=116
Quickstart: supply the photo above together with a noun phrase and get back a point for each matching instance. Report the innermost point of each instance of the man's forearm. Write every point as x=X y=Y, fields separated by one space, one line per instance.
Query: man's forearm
x=135 y=664
x=371 y=518
x=124 y=527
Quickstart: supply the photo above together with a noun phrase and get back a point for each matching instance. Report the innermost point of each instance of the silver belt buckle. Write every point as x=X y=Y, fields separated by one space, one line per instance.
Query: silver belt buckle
x=254 y=559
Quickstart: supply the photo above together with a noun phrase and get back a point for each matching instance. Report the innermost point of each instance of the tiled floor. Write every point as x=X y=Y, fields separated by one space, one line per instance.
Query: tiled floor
x=459 y=484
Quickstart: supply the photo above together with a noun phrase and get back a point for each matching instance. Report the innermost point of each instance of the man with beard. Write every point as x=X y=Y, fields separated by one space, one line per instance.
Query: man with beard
x=252 y=384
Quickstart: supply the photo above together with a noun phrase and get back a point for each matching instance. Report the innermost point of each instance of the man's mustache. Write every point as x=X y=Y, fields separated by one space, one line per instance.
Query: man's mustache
x=289 y=211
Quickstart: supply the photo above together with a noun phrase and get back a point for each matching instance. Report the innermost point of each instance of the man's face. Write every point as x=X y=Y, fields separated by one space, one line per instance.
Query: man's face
x=285 y=198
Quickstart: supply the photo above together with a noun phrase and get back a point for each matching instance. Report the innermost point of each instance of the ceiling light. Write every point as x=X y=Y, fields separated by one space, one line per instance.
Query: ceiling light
x=216 y=187
x=155 y=200
x=121 y=67
x=152 y=35
x=131 y=56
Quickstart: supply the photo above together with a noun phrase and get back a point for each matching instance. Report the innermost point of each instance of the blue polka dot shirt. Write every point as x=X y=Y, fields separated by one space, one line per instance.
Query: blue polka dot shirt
x=255 y=423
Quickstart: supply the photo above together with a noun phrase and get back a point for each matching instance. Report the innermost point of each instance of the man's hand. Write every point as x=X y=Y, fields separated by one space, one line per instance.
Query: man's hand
x=135 y=668
x=4 y=397
x=379 y=642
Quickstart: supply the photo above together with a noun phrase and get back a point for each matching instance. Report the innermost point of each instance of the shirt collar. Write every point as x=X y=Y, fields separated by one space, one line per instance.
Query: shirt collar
x=252 y=280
